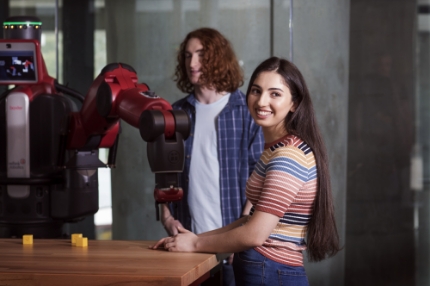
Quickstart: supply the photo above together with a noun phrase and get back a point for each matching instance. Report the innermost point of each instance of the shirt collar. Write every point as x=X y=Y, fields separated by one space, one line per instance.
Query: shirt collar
x=235 y=99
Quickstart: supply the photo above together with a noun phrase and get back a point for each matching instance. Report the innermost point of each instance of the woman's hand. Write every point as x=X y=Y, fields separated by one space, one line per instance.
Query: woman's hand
x=159 y=244
x=184 y=241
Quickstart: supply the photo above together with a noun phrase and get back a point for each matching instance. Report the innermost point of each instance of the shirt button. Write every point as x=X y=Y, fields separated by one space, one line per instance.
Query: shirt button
x=188 y=156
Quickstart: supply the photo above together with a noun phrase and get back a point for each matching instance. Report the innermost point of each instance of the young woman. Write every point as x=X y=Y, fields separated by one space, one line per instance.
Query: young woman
x=292 y=205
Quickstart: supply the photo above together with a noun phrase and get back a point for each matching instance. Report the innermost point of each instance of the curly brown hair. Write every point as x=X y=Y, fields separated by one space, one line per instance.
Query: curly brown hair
x=220 y=67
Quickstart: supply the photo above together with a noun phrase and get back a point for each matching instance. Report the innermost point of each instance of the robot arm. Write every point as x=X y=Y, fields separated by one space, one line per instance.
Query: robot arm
x=115 y=94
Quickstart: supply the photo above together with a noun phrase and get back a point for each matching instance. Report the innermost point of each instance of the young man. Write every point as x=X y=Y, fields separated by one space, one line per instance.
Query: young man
x=224 y=144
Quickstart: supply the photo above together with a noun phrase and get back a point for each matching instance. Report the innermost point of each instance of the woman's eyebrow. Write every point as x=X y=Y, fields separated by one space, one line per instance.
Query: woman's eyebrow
x=271 y=88
x=276 y=88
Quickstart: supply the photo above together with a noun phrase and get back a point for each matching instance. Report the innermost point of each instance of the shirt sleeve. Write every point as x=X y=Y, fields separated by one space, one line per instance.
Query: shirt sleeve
x=286 y=173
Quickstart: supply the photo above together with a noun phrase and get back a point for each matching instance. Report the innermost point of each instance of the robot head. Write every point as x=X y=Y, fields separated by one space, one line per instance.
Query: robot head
x=22 y=27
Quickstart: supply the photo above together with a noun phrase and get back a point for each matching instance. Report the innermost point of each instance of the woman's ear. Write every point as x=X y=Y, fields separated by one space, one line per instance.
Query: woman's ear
x=293 y=108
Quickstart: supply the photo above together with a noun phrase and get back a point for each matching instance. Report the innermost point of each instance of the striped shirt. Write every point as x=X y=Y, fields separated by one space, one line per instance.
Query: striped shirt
x=284 y=183
x=240 y=143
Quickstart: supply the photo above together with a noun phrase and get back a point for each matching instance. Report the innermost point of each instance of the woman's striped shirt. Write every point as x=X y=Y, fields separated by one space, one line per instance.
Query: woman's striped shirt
x=284 y=183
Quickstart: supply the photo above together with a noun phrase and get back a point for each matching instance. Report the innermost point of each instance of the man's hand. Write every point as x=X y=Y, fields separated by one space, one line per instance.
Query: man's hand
x=171 y=225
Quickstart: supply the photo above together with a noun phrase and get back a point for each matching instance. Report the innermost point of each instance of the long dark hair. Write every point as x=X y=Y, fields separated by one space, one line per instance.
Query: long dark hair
x=322 y=236
x=220 y=66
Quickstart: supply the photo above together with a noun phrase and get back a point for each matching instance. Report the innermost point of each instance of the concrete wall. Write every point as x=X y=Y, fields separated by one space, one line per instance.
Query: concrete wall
x=321 y=51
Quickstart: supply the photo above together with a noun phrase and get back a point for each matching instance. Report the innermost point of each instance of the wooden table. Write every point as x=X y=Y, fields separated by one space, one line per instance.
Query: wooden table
x=103 y=262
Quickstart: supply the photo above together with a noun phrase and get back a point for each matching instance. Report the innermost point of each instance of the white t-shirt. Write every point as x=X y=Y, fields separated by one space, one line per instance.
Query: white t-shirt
x=203 y=189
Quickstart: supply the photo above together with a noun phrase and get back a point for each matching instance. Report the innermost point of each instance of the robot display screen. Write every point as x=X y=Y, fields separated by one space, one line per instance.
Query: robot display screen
x=17 y=66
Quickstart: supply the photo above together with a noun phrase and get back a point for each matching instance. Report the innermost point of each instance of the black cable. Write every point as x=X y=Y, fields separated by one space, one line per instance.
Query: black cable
x=69 y=91
x=3 y=95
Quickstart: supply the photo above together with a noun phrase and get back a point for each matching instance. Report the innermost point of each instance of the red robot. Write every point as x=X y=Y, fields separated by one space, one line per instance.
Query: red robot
x=49 y=147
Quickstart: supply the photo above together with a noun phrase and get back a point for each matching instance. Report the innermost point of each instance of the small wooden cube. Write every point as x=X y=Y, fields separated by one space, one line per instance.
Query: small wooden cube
x=27 y=239
x=82 y=241
x=75 y=236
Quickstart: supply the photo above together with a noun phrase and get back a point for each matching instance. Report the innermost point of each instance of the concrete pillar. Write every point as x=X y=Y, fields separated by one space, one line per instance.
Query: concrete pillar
x=321 y=52
x=380 y=215
x=133 y=212
x=78 y=43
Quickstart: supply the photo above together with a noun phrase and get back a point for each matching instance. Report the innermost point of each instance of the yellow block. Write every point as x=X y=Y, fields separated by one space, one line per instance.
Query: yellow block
x=27 y=239
x=75 y=236
x=82 y=241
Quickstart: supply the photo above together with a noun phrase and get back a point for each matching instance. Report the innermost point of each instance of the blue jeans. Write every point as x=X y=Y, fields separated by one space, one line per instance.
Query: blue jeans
x=252 y=268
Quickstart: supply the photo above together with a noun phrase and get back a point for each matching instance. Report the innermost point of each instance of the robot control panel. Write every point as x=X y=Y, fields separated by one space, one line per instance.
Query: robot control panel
x=19 y=62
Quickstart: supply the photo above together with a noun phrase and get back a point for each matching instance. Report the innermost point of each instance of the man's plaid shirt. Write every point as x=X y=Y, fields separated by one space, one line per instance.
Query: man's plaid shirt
x=240 y=144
